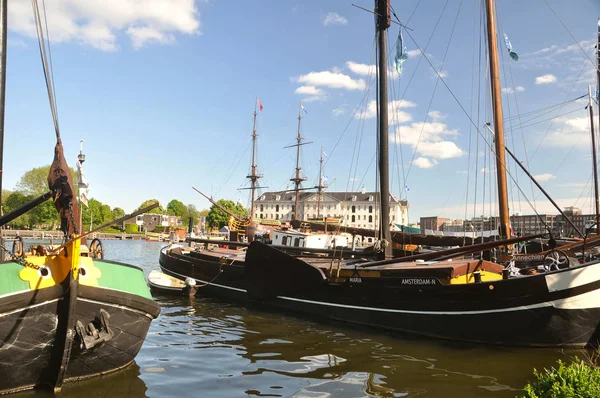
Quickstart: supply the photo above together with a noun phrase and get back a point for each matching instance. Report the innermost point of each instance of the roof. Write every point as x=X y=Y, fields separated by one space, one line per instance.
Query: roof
x=339 y=196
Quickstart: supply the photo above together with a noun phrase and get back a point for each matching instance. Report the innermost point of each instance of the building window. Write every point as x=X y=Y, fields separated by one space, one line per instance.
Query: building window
x=353 y=209
x=277 y=208
x=261 y=209
x=261 y=215
x=370 y=209
x=277 y=216
x=370 y=218
x=353 y=218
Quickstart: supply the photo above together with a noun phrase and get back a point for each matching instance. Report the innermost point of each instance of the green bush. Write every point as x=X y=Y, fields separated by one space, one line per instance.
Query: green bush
x=568 y=381
x=131 y=228
x=159 y=229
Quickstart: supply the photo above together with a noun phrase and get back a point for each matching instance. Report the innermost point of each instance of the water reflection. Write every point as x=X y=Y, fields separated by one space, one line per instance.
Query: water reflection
x=259 y=353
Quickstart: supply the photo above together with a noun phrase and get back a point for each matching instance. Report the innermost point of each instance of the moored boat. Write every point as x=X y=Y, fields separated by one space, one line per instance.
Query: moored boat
x=64 y=315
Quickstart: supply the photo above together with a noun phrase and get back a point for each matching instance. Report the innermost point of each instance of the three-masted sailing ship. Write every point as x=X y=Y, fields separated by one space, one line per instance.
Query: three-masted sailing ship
x=555 y=304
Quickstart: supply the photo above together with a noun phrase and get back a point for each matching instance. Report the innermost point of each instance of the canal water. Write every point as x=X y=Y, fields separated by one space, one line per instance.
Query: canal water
x=202 y=347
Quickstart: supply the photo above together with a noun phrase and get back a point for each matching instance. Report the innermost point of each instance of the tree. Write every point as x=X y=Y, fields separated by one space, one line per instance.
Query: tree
x=13 y=202
x=193 y=213
x=217 y=218
x=117 y=213
x=96 y=214
x=35 y=181
x=176 y=208
x=157 y=210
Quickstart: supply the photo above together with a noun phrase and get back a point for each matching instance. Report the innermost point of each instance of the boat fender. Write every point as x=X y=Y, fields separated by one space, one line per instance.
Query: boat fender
x=477 y=276
x=191 y=282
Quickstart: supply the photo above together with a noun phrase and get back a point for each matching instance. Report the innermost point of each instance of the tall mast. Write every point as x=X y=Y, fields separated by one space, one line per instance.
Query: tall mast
x=80 y=184
x=498 y=126
x=3 y=30
x=320 y=186
x=253 y=174
x=595 y=164
x=297 y=179
x=598 y=99
x=382 y=9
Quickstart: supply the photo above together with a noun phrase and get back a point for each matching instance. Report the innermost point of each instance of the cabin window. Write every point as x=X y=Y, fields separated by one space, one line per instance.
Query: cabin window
x=370 y=240
x=284 y=240
x=353 y=209
x=277 y=208
x=370 y=218
x=296 y=242
x=370 y=209
x=353 y=218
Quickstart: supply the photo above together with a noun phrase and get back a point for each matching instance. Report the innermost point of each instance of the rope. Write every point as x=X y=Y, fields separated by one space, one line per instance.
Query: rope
x=46 y=65
x=490 y=146
x=433 y=93
x=551 y=124
x=573 y=37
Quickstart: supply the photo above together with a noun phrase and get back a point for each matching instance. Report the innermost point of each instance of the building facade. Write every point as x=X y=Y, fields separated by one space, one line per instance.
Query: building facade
x=149 y=221
x=356 y=209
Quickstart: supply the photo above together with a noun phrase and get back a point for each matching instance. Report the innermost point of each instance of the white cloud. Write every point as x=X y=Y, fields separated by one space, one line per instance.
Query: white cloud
x=413 y=53
x=309 y=90
x=509 y=90
x=544 y=177
x=339 y=111
x=332 y=80
x=97 y=23
x=424 y=163
x=145 y=35
x=433 y=141
x=485 y=170
x=395 y=115
x=570 y=132
x=436 y=116
x=361 y=69
x=333 y=18
x=545 y=79
x=442 y=73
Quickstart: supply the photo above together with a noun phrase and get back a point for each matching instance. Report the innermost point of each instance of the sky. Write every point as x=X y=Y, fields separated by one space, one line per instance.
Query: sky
x=163 y=92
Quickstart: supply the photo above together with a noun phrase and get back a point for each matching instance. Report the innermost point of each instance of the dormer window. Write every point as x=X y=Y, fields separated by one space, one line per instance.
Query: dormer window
x=354 y=198
x=371 y=198
x=278 y=197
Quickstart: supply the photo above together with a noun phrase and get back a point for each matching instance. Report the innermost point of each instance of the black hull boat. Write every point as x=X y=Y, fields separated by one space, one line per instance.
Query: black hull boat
x=558 y=308
x=106 y=328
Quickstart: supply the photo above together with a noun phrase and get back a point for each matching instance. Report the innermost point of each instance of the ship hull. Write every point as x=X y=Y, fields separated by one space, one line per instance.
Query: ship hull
x=31 y=351
x=560 y=308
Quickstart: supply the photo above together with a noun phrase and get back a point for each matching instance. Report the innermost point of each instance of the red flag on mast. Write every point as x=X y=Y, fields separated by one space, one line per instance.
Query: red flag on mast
x=260 y=106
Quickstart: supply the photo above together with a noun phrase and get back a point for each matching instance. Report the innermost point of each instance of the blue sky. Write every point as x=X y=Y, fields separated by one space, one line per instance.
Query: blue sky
x=162 y=92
